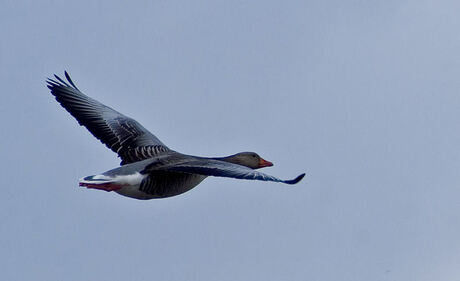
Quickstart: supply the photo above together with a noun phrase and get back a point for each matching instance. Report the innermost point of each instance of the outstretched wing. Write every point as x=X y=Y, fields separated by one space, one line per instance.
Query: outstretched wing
x=123 y=135
x=217 y=168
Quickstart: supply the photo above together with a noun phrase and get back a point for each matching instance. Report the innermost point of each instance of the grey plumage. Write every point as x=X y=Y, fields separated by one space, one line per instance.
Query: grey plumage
x=123 y=135
x=149 y=168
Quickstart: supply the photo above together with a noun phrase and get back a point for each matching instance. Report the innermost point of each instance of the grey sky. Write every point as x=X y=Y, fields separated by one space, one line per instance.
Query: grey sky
x=363 y=96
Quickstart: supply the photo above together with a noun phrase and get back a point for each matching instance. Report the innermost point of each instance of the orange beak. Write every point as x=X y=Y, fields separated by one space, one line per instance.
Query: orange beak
x=264 y=163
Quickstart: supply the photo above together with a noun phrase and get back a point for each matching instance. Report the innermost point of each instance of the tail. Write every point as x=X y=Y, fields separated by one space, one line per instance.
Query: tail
x=99 y=182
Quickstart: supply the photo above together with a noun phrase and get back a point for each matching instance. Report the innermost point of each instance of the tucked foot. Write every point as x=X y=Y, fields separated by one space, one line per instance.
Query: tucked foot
x=102 y=186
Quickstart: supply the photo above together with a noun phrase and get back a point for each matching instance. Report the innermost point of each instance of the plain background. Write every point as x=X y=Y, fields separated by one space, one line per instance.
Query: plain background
x=363 y=96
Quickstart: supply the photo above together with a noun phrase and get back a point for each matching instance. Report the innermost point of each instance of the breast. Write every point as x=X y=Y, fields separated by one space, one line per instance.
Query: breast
x=162 y=185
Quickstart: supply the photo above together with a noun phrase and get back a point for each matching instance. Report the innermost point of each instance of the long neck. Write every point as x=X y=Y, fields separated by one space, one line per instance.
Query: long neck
x=235 y=159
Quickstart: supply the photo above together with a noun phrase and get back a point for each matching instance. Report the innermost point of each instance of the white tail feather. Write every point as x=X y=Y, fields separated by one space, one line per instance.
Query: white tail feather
x=133 y=179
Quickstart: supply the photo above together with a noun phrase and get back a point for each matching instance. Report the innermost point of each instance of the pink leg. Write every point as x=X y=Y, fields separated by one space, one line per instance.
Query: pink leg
x=104 y=186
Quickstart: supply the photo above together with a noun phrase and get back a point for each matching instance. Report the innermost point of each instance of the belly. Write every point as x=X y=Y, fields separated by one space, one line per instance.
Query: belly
x=161 y=186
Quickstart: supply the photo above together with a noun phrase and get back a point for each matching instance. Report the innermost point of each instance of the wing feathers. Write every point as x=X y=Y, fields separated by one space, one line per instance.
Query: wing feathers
x=118 y=132
x=217 y=168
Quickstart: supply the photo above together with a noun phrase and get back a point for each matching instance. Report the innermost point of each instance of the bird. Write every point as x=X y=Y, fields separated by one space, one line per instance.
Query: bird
x=148 y=169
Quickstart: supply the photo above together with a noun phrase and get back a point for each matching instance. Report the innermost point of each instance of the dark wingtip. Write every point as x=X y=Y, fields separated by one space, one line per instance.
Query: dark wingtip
x=296 y=180
x=69 y=79
x=58 y=81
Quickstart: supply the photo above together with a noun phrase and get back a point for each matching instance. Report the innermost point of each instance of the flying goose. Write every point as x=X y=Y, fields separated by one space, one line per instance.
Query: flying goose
x=149 y=169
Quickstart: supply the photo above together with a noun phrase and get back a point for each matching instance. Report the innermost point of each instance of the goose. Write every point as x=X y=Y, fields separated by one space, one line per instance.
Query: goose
x=148 y=168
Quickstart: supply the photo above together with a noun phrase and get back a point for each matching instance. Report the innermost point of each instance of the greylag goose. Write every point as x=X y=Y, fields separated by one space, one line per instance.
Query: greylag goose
x=149 y=169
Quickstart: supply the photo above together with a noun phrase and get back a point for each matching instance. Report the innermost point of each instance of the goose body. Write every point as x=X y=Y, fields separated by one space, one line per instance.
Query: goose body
x=149 y=169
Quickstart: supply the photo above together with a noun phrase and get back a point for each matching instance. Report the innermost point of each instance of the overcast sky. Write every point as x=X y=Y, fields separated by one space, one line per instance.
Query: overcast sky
x=362 y=96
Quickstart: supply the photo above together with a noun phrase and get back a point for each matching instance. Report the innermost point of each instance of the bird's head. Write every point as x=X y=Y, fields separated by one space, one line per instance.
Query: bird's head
x=249 y=159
